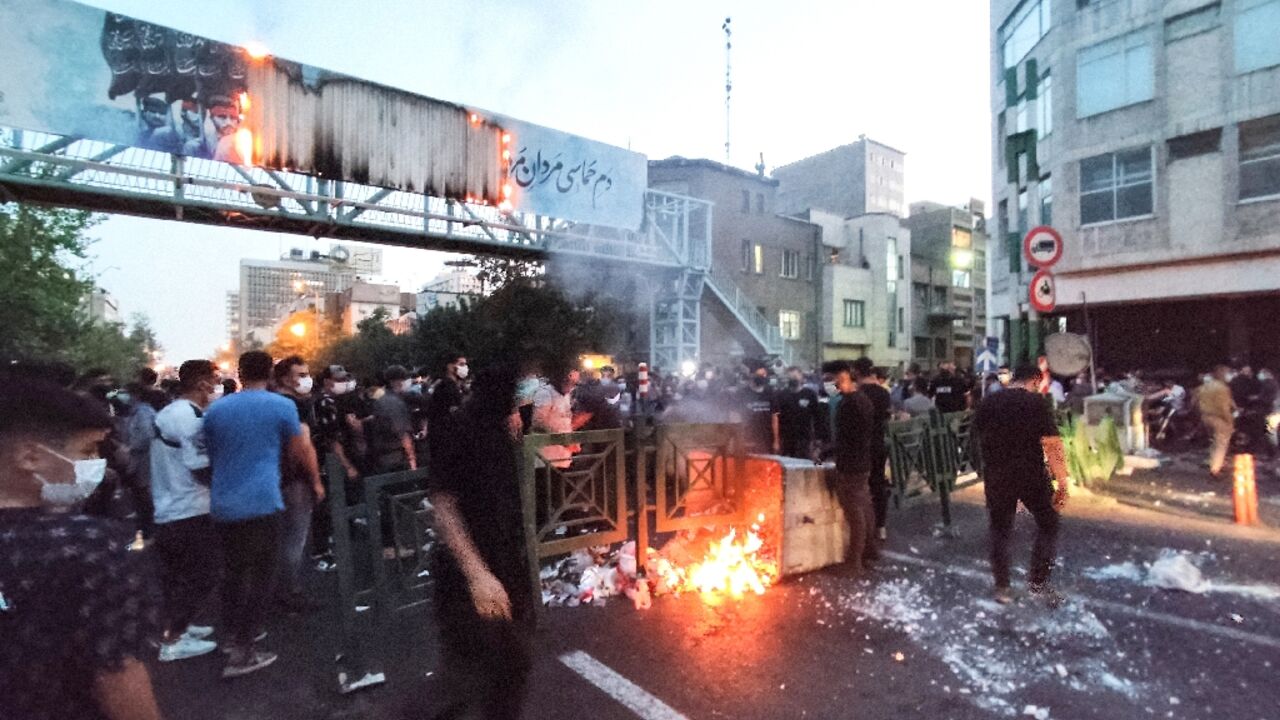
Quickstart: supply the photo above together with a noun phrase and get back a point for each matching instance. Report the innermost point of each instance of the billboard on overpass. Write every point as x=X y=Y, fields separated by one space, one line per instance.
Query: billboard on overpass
x=74 y=70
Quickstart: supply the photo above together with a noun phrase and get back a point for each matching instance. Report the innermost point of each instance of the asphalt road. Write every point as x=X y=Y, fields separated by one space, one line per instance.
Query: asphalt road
x=919 y=637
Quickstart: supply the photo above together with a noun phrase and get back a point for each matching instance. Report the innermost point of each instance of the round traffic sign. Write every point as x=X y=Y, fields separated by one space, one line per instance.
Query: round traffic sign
x=1042 y=247
x=1044 y=295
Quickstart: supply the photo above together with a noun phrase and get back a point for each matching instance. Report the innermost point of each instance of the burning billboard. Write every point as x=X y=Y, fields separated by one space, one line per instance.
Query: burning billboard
x=78 y=71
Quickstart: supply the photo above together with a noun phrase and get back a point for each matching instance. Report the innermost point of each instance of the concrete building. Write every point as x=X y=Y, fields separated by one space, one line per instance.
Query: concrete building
x=101 y=306
x=360 y=301
x=233 y=316
x=448 y=289
x=855 y=179
x=948 y=272
x=866 y=308
x=268 y=287
x=1148 y=134
x=769 y=258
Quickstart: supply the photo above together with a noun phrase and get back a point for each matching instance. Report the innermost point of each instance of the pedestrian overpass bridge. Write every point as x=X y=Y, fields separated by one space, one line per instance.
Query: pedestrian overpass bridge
x=191 y=129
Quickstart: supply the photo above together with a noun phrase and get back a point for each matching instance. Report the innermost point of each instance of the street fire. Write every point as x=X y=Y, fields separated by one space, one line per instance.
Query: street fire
x=732 y=566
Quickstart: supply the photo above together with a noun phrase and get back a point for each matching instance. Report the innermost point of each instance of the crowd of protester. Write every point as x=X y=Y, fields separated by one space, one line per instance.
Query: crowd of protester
x=216 y=485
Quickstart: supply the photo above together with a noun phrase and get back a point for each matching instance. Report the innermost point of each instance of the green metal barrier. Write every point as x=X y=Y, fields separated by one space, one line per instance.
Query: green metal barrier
x=930 y=454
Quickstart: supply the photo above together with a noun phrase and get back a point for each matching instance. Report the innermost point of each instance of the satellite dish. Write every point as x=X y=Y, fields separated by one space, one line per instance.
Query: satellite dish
x=1068 y=353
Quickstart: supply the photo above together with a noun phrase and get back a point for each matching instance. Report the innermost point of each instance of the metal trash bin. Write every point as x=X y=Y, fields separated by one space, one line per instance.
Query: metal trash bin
x=1126 y=411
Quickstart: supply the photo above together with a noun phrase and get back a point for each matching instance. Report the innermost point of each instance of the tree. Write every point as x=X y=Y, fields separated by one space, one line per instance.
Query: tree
x=495 y=273
x=370 y=350
x=43 y=288
x=40 y=290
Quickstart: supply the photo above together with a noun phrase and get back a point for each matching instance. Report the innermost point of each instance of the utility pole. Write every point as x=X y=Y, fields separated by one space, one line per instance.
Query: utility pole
x=728 y=83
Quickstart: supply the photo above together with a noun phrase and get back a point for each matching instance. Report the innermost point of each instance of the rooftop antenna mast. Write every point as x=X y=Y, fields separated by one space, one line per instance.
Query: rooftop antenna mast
x=728 y=83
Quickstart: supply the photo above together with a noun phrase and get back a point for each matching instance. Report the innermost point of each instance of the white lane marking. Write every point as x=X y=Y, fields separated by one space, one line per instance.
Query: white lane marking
x=1115 y=607
x=632 y=696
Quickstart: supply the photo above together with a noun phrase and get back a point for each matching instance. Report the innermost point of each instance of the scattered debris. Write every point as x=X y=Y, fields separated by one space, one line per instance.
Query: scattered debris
x=1038 y=713
x=1174 y=570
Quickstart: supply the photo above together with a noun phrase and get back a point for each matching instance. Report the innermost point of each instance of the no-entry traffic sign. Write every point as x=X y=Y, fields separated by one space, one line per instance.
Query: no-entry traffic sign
x=1042 y=247
x=1044 y=295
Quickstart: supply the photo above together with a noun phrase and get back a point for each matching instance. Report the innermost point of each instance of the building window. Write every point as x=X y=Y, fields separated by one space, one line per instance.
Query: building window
x=760 y=203
x=1044 y=106
x=1257 y=27
x=902 y=319
x=746 y=256
x=893 y=267
x=1045 y=189
x=757 y=258
x=939 y=348
x=809 y=264
x=855 y=314
x=1191 y=23
x=1023 y=29
x=922 y=346
x=790 y=264
x=1024 y=222
x=746 y=201
x=1260 y=158
x=1200 y=143
x=920 y=292
x=1001 y=133
x=939 y=296
x=1115 y=73
x=1116 y=186
x=960 y=279
x=961 y=238
x=789 y=323
x=1021 y=118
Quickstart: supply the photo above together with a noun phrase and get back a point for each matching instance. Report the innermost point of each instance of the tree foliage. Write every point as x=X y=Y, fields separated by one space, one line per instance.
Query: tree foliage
x=524 y=322
x=43 y=287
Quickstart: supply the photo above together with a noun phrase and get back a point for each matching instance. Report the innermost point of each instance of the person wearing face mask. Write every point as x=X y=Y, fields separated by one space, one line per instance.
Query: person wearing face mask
x=758 y=411
x=446 y=396
x=333 y=419
x=851 y=446
x=800 y=417
x=486 y=613
x=293 y=380
x=1217 y=411
x=185 y=539
x=76 y=610
x=250 y=436
x=391 y=426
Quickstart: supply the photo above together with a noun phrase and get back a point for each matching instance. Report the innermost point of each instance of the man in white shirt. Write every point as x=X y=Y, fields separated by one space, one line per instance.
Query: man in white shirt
x=184 y=535
x=553 y=413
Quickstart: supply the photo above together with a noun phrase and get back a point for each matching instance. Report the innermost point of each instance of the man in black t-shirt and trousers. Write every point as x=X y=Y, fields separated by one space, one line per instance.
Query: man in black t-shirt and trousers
x=949 y=391
x=759 y=411
x=1017 y=434
x=484 y=603
x=801 y=417
x=852 y=449
x=864 y=372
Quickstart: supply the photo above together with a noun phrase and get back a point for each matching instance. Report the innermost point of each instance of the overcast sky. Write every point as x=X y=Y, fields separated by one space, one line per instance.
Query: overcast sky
x=807 y=76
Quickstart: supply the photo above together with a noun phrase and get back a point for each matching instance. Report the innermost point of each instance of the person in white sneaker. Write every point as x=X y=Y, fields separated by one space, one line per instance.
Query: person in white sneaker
x=185 y=540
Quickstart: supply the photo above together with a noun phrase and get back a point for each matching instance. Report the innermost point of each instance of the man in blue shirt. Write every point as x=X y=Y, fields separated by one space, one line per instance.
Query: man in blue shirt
x=247 y=435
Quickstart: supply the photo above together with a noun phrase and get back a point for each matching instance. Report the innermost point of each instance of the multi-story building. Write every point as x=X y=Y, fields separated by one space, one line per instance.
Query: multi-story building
x=866 y=307
x=101 y=306
x=855 y=179
x=360 y=301
x=269 y=287
x=233 y=316
x=1148 y=134
x=770 y=258
x=948 y=272
x=449 y=289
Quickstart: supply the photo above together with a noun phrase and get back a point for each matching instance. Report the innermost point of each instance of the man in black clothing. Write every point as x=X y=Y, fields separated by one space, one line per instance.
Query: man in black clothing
x=1017 y=433
x=801 y=417
x=76 y=610
x=949 y=391
x=852 y=448
x=864 y=372
x=446 y=397
x=759 y=415
x=483 y=600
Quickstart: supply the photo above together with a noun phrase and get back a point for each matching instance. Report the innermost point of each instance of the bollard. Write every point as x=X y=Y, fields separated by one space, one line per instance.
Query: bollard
x=1245 y=491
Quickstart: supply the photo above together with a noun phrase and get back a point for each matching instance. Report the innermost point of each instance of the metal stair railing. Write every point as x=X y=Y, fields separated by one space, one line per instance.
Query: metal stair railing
x=740 y=304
